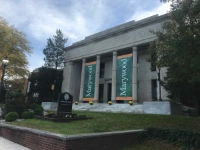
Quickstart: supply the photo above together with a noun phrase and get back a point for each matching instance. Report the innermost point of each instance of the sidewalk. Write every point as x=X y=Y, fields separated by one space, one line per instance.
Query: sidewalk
x=9 y=145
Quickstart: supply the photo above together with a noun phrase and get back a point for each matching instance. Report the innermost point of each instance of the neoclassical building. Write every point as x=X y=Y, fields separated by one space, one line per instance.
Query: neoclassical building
x=111 y=65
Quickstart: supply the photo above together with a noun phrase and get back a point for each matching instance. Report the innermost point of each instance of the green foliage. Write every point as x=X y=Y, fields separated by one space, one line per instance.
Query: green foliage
x=45 y=80
x=38 y=111
x=185 y=138
x=27 y=115
x=54 y=51
x=178 y=48
x=36 y=106
x=15 y=46
x=16 y=105
x=11 y=116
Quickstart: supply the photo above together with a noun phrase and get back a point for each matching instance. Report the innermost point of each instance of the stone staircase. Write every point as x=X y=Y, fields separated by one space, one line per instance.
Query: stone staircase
x=115 y=107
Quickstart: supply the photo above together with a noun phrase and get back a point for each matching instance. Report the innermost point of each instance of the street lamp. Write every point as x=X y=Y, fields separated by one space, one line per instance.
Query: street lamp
x=160 y=99
x=4 y=63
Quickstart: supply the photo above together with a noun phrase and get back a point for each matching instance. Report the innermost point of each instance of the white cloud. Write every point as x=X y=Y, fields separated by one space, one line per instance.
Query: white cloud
x=140 y=13
x=75 y=18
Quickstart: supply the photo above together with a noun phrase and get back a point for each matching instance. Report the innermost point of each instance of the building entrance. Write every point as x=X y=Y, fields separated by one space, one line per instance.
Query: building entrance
x=101 y=88
x=109 y=91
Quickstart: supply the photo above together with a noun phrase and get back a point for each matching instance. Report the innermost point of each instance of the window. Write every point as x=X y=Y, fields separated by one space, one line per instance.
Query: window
x=102 y=70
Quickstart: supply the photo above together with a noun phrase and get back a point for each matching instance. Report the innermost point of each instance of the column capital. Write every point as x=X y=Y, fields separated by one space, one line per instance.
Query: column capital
x=69 y=62
x=134 y=47
x=98 y=56
x=83 y=59
x=114 y=52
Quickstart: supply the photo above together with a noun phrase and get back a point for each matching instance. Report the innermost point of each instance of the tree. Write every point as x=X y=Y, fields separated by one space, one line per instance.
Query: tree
x=54 y=51
x=178 y=48
x=14 y=46
x=45 y=78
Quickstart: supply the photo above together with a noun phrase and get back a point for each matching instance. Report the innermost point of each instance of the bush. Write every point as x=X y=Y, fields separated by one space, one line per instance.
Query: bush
x=38 y=111
x=185 y=138
x=27 y=115
x=11 y=116
x=16 y=105
x=36 y=106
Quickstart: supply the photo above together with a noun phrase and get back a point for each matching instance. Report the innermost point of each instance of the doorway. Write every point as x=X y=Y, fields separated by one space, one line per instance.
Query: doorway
x=101 y=88
x=154 y=89
x=109 y=91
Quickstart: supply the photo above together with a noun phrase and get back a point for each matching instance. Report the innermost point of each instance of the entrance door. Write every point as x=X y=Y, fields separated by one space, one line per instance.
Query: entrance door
x=109 y=91
x=101 y=88
x=154 y=89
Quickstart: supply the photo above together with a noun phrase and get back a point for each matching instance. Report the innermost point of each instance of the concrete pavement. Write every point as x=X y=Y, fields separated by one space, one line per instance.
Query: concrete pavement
x=9 y=145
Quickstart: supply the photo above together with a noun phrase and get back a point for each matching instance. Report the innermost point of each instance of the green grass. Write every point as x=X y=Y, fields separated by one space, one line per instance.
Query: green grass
x=105 y=122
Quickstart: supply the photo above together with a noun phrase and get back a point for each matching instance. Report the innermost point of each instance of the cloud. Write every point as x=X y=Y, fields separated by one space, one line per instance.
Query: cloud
x=75 y=18
x=141 y=13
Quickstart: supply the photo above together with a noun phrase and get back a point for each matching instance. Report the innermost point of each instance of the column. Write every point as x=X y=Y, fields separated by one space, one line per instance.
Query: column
x=82 y=80
x=114 y=76
x=68 y=77
x=96 y=93
x=134 y=75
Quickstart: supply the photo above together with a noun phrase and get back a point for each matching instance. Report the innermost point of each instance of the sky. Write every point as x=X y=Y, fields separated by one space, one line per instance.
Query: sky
x=39 y=19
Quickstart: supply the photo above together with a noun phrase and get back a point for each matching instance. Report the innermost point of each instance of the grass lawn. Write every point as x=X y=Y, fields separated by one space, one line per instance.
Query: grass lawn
x=105 y=122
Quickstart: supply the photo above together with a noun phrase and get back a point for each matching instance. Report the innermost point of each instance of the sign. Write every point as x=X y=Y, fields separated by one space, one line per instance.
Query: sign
x=65 y=101
x=124 y=77
x=89 y=82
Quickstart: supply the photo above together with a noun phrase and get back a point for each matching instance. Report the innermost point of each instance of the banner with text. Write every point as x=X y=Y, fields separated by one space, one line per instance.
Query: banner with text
x=89 y=82
x=124 y=77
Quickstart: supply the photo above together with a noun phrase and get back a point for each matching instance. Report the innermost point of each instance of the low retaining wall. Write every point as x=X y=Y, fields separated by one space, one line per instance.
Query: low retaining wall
x=163 y=107
x=44 y=140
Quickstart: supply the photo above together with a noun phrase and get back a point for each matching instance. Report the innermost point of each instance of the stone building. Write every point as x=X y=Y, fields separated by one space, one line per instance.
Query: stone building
x=111 y=65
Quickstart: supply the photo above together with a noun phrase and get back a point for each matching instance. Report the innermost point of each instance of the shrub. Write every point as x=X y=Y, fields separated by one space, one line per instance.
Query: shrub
x=11 y=116
x=38 y=111
x=15 y=105
x=184 y=138
x=36 y=106
x=27 y=115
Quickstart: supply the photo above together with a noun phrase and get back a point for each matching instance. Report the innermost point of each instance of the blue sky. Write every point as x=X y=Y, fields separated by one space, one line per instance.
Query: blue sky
x=39 y=19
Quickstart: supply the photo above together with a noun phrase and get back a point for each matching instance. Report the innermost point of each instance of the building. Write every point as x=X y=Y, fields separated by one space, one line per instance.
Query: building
x=111 y=65
x=44 y=84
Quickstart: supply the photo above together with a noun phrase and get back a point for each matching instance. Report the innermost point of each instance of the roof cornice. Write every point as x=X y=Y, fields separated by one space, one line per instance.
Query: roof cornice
x=118 y=30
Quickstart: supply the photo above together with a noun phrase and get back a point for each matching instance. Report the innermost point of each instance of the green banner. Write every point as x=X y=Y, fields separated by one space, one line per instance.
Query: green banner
x=124 y=77
x=89 y=83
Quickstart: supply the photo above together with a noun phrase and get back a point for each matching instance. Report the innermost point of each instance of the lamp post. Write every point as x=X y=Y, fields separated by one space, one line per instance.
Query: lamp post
x=4 y=63
x=160 y=99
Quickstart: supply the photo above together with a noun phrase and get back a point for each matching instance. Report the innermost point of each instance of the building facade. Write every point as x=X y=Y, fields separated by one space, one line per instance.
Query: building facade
x=111 y=65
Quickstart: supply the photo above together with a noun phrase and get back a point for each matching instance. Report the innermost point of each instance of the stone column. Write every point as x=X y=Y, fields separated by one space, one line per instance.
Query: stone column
x=114 y=76
x=134 y=75
x=82 y=81
x=96 y=93
x=68 y=77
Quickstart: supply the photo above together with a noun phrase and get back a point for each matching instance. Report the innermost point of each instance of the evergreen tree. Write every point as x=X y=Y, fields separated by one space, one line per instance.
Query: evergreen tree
x=54 y=51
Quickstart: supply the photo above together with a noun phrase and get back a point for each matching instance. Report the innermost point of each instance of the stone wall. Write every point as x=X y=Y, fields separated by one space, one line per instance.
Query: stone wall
x=43 y=140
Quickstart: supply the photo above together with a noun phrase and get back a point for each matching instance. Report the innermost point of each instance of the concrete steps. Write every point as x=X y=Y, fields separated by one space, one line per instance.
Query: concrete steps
x=115 y=107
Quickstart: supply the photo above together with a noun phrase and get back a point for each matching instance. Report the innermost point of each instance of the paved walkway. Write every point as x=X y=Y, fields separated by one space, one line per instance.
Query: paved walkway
x=9 y=145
